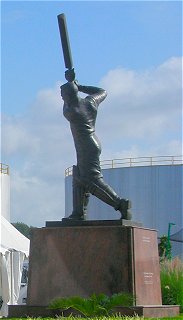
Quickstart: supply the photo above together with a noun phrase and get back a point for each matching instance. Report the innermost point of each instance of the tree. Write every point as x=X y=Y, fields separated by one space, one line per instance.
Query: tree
x=23 y=228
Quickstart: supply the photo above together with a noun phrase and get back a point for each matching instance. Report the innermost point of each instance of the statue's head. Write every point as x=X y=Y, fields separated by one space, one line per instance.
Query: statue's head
x=69 y=91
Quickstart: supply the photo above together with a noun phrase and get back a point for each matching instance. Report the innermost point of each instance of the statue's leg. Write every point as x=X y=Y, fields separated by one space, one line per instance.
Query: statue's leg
x=80 y=197
x=81 y=189
x=105 y=193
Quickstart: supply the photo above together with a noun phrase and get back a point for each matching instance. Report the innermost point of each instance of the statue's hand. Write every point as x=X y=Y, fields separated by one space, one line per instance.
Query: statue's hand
x=78 y=85
x=70 y=75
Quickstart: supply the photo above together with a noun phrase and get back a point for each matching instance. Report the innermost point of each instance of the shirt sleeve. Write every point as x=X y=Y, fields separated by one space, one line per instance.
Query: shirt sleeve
x=97 y=98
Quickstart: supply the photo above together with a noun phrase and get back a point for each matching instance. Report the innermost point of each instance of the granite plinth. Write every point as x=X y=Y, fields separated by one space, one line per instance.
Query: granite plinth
x=24 y=311
x=80 y=261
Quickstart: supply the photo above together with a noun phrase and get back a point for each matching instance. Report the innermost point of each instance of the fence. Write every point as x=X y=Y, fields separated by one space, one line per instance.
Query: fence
x=139 y=161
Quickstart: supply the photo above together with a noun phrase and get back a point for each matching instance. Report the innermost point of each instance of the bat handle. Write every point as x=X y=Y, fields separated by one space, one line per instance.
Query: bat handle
x=70 y=75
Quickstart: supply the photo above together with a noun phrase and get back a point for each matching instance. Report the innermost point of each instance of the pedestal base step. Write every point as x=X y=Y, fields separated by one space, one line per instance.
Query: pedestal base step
x=92 y=223
x=23 y=311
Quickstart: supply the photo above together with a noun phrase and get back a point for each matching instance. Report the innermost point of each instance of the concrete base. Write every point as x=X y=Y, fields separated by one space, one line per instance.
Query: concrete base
x=42 y=311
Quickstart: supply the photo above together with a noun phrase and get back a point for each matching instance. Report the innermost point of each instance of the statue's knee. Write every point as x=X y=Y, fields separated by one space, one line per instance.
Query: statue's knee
x=90 y=185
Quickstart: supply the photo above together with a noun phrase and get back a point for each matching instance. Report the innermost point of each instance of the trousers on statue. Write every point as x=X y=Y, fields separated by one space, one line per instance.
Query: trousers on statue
x=81 y=191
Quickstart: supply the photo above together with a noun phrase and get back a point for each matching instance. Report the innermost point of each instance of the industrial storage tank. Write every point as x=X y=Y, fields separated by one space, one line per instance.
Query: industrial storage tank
x=5 y=191
x=153 y=184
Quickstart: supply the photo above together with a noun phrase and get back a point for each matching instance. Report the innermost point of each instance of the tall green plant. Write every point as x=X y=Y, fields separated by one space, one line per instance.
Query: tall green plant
x=164 y=248
x=95 y=305
x=171 y=273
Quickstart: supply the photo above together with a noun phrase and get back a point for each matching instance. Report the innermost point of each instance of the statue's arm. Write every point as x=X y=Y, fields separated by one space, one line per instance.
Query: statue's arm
x=98 y=94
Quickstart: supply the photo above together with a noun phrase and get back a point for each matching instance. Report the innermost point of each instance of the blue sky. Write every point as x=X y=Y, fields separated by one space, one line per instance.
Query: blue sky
x=103 y=36
x=131 y=48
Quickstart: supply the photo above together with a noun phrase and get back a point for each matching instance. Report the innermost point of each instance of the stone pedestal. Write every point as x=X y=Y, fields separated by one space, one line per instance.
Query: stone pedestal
x=82 y=260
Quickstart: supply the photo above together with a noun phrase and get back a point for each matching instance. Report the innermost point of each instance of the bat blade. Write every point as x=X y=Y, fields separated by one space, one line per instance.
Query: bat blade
x=65 y=41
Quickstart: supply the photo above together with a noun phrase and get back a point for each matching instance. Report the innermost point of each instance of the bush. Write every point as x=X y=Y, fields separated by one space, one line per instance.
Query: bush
x=171 y=273
x=95 y=305
x=164 y=248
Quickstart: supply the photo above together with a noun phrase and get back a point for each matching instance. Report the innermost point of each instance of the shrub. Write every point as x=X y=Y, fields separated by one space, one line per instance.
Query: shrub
x=95 y=305
x=171 y=273
x=164 y=248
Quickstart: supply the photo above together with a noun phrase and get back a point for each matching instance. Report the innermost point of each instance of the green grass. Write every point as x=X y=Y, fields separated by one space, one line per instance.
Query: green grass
x=102 y=318
x=171 y=272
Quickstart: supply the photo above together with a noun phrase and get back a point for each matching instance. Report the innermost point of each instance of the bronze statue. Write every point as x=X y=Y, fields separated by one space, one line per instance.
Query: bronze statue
x=82 y=113
x=87 y=176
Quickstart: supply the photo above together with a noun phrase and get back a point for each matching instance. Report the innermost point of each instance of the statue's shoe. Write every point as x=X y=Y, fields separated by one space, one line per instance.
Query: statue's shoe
x=125 y=206
x=75 y=217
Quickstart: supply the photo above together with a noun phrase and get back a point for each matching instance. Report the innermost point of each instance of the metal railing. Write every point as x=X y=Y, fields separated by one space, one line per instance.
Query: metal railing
x=136 y=162
x=4 y=168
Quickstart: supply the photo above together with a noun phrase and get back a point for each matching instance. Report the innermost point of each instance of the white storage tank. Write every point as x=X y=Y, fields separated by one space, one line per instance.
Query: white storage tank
x=5 y=191
x=153 y=184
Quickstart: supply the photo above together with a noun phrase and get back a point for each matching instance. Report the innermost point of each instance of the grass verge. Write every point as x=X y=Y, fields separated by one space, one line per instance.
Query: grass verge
x=101 y=318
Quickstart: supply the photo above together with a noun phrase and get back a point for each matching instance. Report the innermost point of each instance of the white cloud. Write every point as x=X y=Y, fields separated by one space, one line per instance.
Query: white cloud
x=142 y=105
x=140 y=117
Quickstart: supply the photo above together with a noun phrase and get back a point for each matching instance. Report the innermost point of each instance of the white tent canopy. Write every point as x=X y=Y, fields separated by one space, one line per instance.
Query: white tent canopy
x=14 y=247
